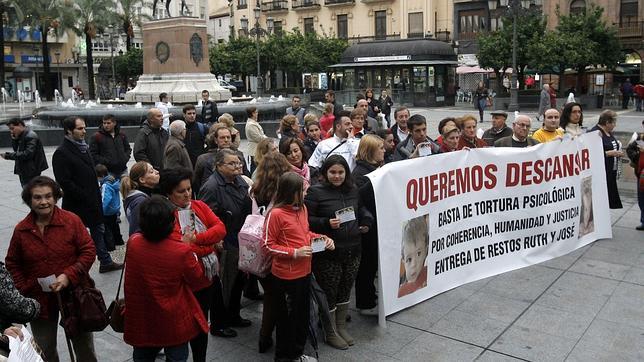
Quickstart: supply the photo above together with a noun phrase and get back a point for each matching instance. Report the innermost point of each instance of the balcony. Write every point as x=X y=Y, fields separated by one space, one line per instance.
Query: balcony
x=631 y=34
x=242 y=5
x=339 y=2
x=366 y=39
x=305 y=4
x=375 y=1
x=275 y=6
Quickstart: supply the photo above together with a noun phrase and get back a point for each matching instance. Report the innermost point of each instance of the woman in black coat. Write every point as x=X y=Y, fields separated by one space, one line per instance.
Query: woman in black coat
x=371 y=154
x=335 y=210
x=612 y=154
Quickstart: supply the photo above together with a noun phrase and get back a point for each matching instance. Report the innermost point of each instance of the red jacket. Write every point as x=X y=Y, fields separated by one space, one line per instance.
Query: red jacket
x=65 y=248
x=285 y=230
x=639 y=90
x=160 y=307
x=205 y=243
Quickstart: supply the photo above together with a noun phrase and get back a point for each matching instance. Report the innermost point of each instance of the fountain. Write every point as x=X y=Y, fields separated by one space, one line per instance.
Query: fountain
x=21 y=102
x=5 y=95
x=75 y=96
x=57 y=97
x=37 y=98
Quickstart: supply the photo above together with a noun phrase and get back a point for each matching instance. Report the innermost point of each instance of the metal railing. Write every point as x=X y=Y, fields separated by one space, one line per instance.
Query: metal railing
x=337 y=2
x=276 y=5
x=297 y=4
x=631 y=29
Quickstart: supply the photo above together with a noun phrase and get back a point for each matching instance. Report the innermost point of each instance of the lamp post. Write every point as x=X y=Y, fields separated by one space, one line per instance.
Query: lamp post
x=36 y=49
x=113 y=35
x=257 y=31
x=60 y=79
x=514 y=7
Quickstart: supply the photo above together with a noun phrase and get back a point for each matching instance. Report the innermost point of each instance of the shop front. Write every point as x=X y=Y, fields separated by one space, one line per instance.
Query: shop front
x=416 y=72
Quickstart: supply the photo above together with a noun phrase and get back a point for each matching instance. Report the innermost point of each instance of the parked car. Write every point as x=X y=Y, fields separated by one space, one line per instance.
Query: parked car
x=228 y=86
x=239 y=84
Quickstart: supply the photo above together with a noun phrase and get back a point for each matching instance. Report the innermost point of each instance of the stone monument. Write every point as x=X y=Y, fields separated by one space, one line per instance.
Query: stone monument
x=175 y=61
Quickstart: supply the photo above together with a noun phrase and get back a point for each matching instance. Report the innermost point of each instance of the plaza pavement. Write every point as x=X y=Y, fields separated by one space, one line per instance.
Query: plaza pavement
x=585 y=306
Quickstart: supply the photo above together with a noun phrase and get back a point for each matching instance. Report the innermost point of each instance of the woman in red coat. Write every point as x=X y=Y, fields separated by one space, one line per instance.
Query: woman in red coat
x=468 y=133
x=161 y=311
x=196 y=225
x=50 y=242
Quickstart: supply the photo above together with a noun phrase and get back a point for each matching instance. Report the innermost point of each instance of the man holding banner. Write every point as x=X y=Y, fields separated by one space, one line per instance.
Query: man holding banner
x=483 y=217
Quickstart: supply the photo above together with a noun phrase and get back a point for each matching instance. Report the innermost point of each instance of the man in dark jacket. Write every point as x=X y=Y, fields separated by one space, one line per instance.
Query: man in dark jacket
x=499 y=128
x=28 y=152
x=195 y=133
x=417 y=140
x=110 y=147
x=151 y=139
x=519 y=137
x=209 y=111
x=74 y=171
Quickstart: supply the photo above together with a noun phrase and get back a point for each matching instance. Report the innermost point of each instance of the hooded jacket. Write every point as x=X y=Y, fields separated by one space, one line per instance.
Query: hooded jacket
x=113 y=152
x=131 y=206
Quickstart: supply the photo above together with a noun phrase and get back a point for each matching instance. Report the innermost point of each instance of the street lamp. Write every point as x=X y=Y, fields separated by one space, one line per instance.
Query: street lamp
x=36 y=50
x=514 y=7
x=257 y=31
x=60 y=80
x=113 y=34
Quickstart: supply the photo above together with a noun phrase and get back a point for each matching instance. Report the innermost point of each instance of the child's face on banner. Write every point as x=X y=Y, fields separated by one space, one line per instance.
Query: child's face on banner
x=414 y=258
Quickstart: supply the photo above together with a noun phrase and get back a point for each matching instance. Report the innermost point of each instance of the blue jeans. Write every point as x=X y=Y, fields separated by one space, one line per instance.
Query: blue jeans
x=172 y=354
x=98 y=235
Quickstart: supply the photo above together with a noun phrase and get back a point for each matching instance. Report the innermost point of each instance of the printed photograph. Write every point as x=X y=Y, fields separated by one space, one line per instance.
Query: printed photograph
x=414 y=250
x=586 y=220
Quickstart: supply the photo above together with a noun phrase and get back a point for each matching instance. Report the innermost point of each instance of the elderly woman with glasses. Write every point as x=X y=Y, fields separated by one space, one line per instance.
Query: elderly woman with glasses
x=226 y=193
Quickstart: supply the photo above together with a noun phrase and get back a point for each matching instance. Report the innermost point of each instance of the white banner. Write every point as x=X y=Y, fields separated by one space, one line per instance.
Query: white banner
x=450 y=219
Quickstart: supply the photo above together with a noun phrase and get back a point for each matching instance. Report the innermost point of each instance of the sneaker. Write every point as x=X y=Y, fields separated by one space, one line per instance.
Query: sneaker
x=110 y=267
x=641 y=227
x=369 y=312
x=305 y=358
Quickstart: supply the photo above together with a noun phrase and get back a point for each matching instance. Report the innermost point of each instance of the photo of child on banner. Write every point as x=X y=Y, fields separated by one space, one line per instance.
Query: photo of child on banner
x=586 y=221
x=414 y=249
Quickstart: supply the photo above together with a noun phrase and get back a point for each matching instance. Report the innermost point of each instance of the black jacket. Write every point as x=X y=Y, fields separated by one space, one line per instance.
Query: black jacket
x=29 y=155
x=230 y=202
x=209 y=112
x=74 y=171
x=195 y=140
x=322 y=201
x=150 y=145
x=113 y=152
x=491 y=135
x=367 y=198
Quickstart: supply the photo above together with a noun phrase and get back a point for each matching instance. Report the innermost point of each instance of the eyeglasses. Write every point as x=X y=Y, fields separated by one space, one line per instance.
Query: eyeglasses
x=233 y=164
x=522 y=125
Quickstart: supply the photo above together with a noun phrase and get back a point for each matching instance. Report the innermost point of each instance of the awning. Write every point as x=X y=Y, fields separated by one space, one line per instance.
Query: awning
x=402 y=62
x=463 y=69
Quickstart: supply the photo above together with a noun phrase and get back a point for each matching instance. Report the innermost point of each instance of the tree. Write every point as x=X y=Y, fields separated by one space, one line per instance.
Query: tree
x=495 y=48
x=129 y=17
x=129 y=65
x=85 y=18
x=9 y=7
x=586 y=39
x=45 y=15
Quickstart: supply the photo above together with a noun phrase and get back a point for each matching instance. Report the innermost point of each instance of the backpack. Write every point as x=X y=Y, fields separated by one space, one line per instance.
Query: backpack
x=254 y=258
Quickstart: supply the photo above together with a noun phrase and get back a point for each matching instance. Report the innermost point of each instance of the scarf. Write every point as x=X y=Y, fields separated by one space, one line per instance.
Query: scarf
x=304 y=172
x=82 y=145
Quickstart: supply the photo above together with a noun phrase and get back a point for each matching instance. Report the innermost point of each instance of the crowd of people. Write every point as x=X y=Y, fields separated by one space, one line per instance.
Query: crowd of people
x=188 y=195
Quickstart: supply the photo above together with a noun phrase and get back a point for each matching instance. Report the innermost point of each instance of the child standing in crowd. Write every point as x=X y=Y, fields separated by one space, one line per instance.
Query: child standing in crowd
x=111 y=206
x=289 y=240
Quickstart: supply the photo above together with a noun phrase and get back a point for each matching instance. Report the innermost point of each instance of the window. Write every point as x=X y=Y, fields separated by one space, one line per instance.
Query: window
x=577 y=7
x=242 y=4
x=277 y=27
x=471 y=22
x=343 y=27
x=381 y=25
x=415 y=25
x=309 y=28
x=219 y=20
x=628 y=13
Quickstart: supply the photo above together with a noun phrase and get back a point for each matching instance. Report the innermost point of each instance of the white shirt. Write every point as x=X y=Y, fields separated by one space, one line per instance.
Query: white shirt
x=402 y=135
x=348 y=150
x=163 y=107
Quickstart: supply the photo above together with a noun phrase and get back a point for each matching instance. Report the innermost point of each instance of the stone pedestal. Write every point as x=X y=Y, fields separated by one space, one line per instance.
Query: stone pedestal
x=175 y=61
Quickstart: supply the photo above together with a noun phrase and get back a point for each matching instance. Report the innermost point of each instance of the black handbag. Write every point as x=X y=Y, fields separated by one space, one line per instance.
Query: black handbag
x=116 y=310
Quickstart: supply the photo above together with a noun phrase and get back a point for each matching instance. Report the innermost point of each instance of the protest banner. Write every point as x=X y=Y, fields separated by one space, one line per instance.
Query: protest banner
x=450 y=219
